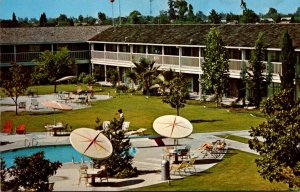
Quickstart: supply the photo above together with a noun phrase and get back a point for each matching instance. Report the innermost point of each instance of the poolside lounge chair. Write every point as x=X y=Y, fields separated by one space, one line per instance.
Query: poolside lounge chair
x=191 y=163
x=21 y=129
x=140 y=131
x=7 y=127
x=179 y=167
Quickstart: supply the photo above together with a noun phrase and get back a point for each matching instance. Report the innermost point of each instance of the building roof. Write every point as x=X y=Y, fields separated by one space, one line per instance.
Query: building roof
x=40 y=35
x=233 y=35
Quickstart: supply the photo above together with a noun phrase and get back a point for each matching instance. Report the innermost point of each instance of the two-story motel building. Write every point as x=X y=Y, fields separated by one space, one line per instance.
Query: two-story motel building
x=177 y=47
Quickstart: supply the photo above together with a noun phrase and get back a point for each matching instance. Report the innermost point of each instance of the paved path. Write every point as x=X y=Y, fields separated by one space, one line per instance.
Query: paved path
x=148 y=158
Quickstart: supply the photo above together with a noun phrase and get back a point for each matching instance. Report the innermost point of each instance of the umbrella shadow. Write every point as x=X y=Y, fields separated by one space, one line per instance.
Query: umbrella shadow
x=119 y=184
x=204 y=121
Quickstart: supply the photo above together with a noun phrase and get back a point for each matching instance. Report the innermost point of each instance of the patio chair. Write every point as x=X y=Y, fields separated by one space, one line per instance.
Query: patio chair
x=191 y=163
x=34 y=104
x=105 y=125
x=125 y=125
x=83 y=174
x=139 y=132
x=22 y=105
x=166 y=153
x=179 y=167
x=21 y=129
x=102 y=174
x=7 y=127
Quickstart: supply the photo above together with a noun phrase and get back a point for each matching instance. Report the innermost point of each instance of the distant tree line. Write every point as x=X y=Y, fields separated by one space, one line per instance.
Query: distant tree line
x=179 y=12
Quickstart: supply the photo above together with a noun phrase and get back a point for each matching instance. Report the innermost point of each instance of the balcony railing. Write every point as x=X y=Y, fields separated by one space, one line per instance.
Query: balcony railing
x=172 y=60
x=29 y=56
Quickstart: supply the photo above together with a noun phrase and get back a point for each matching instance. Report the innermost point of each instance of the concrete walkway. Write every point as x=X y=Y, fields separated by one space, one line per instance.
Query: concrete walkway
x=147 y=159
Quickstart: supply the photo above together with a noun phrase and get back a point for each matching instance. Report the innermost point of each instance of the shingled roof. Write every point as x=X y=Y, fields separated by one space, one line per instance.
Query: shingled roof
x=34 y=35
x=232 y=35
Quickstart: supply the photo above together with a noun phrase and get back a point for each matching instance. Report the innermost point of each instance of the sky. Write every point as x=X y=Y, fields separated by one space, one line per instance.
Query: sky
x=74 y=8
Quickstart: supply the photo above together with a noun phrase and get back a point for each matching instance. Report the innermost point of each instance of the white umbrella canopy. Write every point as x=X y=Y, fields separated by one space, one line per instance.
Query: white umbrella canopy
x=173 y=126
x=56 y=105
x=65 y=78
x=91 y=143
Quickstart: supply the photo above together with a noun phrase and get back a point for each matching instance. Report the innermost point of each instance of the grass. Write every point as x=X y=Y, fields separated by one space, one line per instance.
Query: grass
x=139 y=111
x=236 y=172
x=235 y=138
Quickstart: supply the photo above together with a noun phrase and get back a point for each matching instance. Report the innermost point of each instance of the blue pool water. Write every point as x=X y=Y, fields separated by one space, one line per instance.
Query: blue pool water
x=61 y=153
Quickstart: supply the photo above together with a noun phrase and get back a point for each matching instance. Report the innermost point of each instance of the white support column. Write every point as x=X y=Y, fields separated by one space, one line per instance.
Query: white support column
x=200 y=69
x=15 y=53
x=105 y=74
x=180 y=54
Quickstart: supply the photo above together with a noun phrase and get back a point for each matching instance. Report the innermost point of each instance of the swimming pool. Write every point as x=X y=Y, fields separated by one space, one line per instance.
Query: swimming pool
x=61 y=153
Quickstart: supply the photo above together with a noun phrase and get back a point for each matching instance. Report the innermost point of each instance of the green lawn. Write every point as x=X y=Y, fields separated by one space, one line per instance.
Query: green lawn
x=234 y=138
x=236 y=172
x=139 y=110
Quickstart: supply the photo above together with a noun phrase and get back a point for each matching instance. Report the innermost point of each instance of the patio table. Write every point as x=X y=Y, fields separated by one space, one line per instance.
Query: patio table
x=55 y=128
x=93 y=174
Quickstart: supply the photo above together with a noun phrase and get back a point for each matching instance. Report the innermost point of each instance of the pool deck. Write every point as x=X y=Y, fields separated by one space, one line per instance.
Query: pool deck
x=148 y=159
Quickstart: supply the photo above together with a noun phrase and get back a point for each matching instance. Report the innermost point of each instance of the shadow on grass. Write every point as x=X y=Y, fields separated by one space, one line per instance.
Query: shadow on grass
x=204 y=121
x=118 y=183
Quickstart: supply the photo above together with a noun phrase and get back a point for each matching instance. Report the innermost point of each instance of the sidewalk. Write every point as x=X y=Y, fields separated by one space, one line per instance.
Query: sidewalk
x=147 y=159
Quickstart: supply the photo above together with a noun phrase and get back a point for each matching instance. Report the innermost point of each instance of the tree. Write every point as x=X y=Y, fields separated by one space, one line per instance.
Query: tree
x=256 y=78
x=134 y=17
x=119 y=164
x=171 y=11
x=249 y=16
x=101 y=16
x=214 y=17
x=181 y=8
x=190 y=14
x=288 y=57
x=15 y=83
x=113 y=76
x=80 y=18
x=215 y=66
x=43 y=20
x=14 y=21
x=52 y=66
x=177 y=94
x=145 y=71
x=32 y=172
x=279 y=158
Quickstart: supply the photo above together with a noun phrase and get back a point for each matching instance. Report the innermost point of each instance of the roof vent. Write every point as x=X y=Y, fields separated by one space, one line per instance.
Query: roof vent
x=192 y=41
x=125 y=38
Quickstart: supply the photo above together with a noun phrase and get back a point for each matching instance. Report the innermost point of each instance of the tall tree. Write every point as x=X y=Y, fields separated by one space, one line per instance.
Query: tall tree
x=181 y=8
x=177 y=94
x=52 y=66
x=14 y=21
x=171 y=11
x=15 y=83
x=134 y=17
x=279 y=149
x=190 y=14
x=214 y=17
x=288 y=57
x=43 y=20
x=215 y=66
x=257 y=67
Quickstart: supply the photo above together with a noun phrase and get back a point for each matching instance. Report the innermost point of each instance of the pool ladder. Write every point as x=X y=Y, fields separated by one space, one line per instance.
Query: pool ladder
x=33 y=142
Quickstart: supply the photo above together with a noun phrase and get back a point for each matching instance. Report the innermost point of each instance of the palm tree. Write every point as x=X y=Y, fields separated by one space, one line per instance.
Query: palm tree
x=145 y=72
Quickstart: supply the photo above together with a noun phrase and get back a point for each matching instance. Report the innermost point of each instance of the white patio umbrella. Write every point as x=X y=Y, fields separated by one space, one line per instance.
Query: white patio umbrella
x=91 y=143
x=56 y=105
x=173 y=126
x=65 y=78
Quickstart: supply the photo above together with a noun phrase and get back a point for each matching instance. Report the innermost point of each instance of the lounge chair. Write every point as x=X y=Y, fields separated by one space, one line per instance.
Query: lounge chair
x=7 y=127
x=191 y=163
x=140 y=131
x=215 y=149
x=179 y=167
x=21 y=129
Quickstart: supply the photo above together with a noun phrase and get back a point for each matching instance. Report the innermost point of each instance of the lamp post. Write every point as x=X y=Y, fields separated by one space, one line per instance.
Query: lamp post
x=112 y=11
